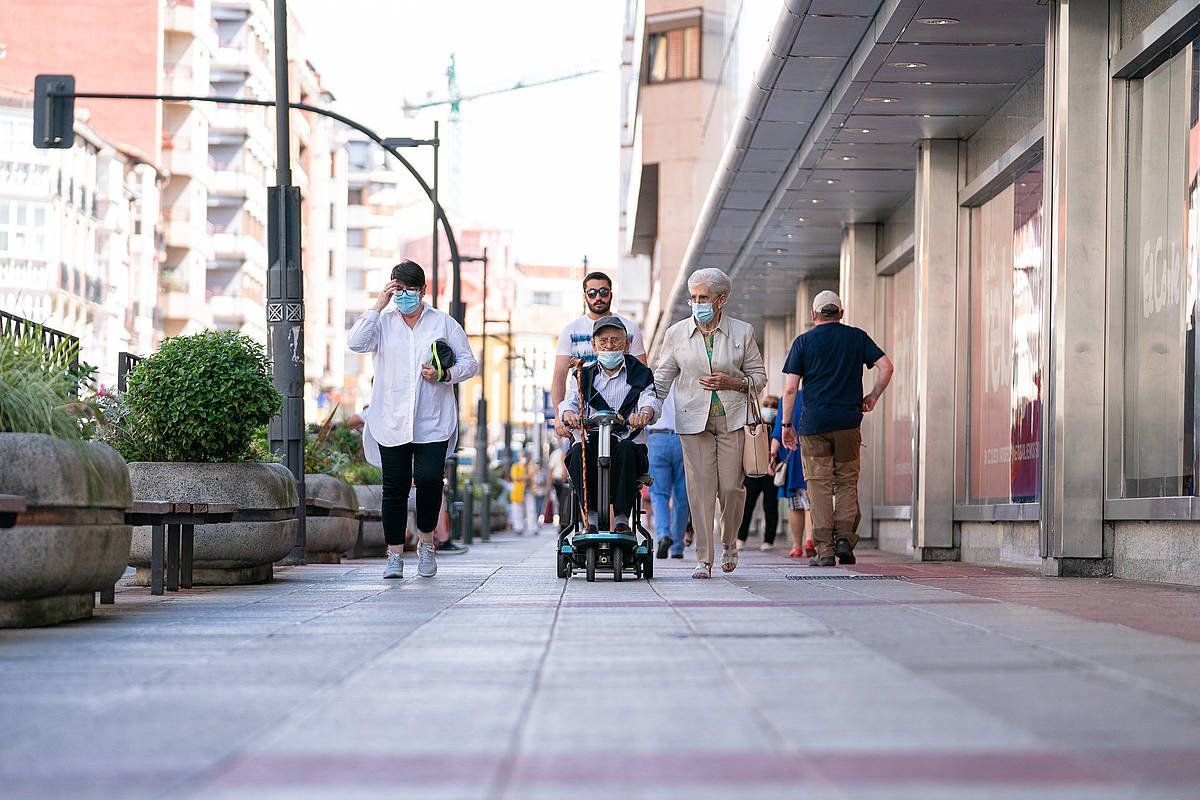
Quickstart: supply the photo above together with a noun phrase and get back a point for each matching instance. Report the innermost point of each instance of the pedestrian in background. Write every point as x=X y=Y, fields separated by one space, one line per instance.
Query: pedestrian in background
x=412 y=420
x=522 y=508
x=829 y=358
x=668 y=492
x=713 y=362
x=764 y=487
x=793 y=490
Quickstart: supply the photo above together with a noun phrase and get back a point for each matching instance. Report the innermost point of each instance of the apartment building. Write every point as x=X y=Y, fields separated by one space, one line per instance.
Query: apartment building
x=78 y=232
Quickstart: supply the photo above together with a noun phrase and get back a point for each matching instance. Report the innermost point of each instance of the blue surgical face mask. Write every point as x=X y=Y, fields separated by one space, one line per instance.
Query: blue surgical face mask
x=703 y=312
x=769 y=413
x=610 y=359
x=407 y=301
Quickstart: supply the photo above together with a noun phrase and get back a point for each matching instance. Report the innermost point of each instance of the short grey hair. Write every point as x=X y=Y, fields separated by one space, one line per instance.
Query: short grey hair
x=713 y=277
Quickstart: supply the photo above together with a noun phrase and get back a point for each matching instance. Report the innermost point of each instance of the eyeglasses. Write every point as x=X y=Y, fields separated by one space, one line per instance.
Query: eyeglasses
x=409 y=292
x=610 y=342
x=592 y=294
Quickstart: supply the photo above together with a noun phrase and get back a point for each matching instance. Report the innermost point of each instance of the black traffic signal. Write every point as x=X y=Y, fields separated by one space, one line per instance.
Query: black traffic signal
x=54 y=112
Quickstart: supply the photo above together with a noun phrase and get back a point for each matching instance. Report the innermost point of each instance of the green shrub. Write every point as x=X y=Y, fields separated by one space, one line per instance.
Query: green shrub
x=199 y=398
x=40 y=386
x=360 y=473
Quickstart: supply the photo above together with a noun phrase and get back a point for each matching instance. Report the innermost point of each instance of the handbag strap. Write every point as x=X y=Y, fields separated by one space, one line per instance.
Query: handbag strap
x=752 y=395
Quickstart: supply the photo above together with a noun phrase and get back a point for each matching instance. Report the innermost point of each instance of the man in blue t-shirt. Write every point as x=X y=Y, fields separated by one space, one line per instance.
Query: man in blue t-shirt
x=830 y=359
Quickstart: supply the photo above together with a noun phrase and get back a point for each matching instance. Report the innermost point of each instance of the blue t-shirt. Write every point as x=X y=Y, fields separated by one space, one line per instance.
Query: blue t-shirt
x=830 y=360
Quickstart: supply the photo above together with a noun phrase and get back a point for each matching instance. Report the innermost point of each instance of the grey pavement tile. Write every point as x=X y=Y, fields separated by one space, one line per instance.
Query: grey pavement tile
x=331 y=681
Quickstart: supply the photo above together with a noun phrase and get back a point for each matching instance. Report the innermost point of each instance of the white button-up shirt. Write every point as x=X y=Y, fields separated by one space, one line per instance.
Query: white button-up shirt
x=404 y=406
x=613 y=388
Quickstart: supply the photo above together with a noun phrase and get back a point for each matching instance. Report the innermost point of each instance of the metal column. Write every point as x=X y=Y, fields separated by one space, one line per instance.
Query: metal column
x=935 y=260
x=285 y=290
x=858 y=279
x=1073 y=342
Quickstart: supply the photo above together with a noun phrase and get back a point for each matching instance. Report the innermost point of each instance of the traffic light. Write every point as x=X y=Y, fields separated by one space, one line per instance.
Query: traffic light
x=54 y=112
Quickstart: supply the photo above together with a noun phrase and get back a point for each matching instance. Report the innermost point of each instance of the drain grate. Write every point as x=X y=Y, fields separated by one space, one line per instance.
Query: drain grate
x=846 y=578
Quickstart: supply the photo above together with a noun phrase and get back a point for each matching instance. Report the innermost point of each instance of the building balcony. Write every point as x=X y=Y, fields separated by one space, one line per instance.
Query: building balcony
x=183 y=156
x=186 y=78
x=191 y=17
x=233 y=245
x=229 y=183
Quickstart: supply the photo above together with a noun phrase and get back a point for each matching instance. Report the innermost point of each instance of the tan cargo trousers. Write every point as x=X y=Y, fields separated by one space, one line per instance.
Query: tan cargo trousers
x=831 y=466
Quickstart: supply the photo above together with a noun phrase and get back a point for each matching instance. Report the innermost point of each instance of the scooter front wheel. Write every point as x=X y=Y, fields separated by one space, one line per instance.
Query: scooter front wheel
x=618 y=564
x=590 y=564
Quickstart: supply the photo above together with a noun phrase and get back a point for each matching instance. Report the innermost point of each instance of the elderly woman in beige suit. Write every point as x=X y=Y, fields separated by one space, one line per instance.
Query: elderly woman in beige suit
x=714 y=363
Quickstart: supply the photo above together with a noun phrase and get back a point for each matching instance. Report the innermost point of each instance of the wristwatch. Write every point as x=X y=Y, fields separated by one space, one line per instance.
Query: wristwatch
x=785 y=424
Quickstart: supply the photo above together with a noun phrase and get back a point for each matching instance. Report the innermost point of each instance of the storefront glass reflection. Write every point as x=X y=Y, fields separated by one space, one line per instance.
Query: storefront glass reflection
x=900 y=302
x=1004 y=439
x=1159 y=288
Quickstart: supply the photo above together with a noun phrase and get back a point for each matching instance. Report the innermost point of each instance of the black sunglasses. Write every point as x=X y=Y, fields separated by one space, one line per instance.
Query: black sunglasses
x=594 y=293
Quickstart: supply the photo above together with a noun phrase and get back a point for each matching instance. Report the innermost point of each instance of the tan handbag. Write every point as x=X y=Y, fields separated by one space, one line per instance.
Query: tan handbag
x=756 y=449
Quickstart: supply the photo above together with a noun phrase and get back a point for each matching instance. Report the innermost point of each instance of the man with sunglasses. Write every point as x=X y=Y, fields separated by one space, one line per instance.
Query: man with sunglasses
x=576 y=339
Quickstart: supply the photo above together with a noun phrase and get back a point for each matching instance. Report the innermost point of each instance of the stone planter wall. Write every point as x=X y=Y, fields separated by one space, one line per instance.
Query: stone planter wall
x=326 y=538
x=239 y=552
x=374 y=545
x=50 y=572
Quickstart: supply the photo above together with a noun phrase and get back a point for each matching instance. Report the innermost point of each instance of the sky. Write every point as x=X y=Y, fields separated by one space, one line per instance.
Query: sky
x=542 y=162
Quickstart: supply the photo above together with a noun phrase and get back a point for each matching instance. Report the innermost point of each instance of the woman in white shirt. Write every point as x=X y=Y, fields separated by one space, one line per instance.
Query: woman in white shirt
x=413 y=419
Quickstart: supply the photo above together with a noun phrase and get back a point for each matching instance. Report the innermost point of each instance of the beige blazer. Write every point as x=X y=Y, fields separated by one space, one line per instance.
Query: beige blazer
x=684 y=360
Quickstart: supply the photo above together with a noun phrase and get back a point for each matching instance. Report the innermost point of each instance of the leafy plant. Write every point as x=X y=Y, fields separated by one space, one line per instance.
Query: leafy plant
x=40 y=385
x=199 y=398
x=360 y=473
x=319 y=456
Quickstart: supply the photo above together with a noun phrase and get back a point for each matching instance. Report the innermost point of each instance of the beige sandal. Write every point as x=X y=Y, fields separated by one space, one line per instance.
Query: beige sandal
x=702 y=570
x=729 y=559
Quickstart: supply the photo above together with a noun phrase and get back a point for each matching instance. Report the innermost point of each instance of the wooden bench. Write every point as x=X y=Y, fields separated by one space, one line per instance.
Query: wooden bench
x=11 y=507
x=173 y=536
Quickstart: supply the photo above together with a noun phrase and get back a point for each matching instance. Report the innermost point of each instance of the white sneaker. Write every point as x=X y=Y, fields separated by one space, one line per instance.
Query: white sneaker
x=766 y=546
x=395 y=566
x=426 y=560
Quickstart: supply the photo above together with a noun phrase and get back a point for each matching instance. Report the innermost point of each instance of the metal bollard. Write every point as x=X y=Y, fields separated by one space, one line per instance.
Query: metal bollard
x=468 y=515
x=485 y=530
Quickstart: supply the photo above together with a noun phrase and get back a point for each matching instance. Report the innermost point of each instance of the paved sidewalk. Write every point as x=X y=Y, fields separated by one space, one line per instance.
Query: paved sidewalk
x=497 y=680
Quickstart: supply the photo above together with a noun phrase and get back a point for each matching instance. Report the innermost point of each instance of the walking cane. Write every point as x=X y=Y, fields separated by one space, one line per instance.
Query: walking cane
x=582 y=435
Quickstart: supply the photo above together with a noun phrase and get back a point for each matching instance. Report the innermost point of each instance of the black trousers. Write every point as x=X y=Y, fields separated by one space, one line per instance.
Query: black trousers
x=422 y=463
x=766 y=487
x=629 y=462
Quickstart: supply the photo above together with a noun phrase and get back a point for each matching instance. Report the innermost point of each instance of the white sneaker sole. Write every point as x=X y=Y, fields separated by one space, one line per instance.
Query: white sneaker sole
x=427 y=574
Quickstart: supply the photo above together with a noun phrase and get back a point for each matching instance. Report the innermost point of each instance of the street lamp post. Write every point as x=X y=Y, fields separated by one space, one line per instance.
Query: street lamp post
x=435 y=143
x=285 y=290
x=481 y=414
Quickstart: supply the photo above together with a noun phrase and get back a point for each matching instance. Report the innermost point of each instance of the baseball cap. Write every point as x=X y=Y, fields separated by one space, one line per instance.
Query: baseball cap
x=824 y=300
x=609 y=322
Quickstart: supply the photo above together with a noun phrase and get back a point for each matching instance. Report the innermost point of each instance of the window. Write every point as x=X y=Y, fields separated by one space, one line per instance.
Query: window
x=899 y=308
x=1162 y=225
x=673 y=48
x=356 y=237
x=545 y=299
x=1005 y=399
x=354 y=196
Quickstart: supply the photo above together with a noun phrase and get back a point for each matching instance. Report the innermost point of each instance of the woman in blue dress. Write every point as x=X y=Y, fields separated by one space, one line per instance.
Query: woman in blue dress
x=794 y=489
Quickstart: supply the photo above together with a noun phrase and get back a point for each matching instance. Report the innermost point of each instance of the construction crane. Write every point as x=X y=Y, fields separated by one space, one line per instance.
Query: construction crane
x=455 y=98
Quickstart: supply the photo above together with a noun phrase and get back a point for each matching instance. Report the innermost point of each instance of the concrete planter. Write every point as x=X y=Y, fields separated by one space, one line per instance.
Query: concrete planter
x=239 y=552
x=371 y=497
x=50 y=572
x=326 y=538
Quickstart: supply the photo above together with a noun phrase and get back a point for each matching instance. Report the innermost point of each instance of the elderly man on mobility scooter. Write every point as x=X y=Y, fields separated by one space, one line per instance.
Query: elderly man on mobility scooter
x=613 y=395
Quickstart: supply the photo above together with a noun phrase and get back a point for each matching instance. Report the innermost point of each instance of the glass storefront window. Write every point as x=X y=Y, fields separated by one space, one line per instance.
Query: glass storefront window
x=896 y=467
x=1005 y=398
x=1160 y=267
